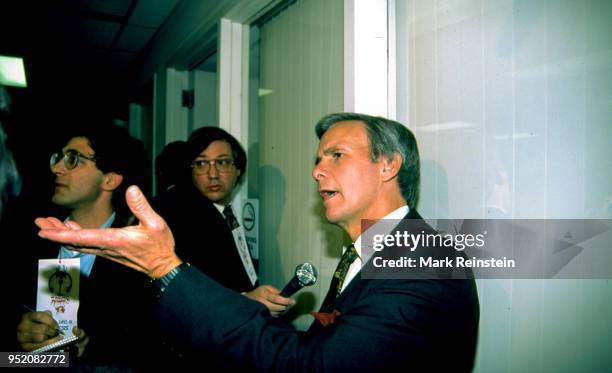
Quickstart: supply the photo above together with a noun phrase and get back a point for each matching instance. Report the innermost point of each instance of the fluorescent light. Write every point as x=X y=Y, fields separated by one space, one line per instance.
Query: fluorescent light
x=444 y=126
x=12 y=72
x=264 y=92
x=515 y=136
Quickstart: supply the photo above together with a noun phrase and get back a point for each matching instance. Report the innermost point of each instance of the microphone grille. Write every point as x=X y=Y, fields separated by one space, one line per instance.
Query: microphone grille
x=306 y=274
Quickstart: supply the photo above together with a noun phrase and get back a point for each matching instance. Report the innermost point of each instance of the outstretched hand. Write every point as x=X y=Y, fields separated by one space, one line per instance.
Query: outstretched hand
x=147 y=247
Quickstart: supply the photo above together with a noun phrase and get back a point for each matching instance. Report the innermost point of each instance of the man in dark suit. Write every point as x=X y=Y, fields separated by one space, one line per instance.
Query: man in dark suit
x=367 y=168
x=91 y=176
x=198 y=210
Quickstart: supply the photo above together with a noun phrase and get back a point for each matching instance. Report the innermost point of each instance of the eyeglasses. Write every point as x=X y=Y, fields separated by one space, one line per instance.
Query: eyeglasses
x=72 y=158
x=223 y=165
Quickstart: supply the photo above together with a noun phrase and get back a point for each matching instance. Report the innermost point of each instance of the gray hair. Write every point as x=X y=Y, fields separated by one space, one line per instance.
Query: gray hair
x=386 y=138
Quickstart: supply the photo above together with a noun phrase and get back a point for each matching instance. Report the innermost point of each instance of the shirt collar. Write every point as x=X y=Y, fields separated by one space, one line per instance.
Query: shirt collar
x=396 y=214
x=107 y=224
x=219 y=207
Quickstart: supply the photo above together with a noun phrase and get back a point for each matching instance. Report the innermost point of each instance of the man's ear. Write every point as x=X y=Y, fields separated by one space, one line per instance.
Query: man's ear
x=391 y=167
x=111 y=181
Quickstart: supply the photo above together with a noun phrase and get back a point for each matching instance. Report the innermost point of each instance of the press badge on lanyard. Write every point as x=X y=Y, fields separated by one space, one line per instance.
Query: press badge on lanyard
x=58 y=291
x=245 y=256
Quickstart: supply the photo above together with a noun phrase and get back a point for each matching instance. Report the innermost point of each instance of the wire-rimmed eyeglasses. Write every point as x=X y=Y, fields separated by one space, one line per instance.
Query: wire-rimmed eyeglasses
x=71 y=158
x=223 y=165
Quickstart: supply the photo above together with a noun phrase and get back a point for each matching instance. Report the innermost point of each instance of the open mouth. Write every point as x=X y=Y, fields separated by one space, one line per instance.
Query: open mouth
x=327 y=194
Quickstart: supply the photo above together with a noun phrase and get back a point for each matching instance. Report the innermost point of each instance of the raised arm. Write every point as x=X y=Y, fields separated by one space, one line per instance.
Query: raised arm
x=147 y=247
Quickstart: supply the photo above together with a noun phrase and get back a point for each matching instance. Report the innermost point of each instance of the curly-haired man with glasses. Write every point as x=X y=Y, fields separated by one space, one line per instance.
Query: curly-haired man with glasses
x=92 y=171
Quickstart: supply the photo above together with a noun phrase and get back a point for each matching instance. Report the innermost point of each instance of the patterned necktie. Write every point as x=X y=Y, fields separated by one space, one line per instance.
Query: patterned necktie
x=230 y=218
x=335 y=287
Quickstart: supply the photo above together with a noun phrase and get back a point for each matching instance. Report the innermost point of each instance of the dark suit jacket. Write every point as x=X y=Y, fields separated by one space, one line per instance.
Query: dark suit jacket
x=385 y=325
x=112 y=309
x=202 y=236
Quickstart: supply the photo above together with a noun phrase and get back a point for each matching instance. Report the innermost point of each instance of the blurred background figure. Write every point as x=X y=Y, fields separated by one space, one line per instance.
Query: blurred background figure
x=10 y=182
x=167 y=172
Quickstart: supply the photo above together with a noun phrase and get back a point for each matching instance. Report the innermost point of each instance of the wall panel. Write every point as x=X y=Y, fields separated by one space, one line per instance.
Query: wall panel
x=301 y=66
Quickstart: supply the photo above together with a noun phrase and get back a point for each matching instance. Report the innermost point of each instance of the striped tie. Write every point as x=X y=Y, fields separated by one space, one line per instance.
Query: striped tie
x=230 y=218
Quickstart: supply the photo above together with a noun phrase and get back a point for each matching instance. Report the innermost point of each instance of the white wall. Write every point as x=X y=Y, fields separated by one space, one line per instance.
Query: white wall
x=511 y=104
x=301 y=66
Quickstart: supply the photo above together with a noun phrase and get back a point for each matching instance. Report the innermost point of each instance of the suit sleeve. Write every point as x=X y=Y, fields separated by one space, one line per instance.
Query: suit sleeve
x=388 y=329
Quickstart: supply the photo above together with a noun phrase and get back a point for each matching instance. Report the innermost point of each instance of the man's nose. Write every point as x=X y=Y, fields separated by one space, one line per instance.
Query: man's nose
x=213 y=173
x=318 y=172
x=59 y=167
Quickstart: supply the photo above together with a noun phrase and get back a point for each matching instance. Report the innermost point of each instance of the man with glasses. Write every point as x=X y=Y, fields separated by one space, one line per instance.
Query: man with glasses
x=91 y=171
x=208 y=235
x=200 y=214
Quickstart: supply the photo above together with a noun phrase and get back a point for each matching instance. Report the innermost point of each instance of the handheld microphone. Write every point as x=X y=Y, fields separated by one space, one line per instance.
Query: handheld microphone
x=305 y=275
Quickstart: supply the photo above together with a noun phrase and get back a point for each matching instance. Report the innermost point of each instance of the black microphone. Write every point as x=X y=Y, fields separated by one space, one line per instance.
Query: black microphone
x=305 y=275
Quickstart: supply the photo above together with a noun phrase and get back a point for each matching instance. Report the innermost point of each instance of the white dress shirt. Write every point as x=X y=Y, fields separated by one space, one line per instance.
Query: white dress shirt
x=355 y=267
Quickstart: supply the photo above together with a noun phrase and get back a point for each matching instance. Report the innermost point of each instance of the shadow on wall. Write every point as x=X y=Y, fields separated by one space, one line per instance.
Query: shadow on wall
x=433 y=201
x=272 y=202
x=305 y=302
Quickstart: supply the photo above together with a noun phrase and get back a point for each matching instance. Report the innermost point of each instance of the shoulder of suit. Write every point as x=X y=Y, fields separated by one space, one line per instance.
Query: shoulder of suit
x=182 y=200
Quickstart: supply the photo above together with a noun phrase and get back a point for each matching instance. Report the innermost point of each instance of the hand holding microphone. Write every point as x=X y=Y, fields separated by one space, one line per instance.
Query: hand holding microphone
x=277 y=301
x=305 y=275
x=270 y=297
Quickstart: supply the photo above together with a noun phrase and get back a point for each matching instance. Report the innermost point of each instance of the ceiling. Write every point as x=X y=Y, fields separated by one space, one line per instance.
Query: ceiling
x=80 y=42
x=113 y=30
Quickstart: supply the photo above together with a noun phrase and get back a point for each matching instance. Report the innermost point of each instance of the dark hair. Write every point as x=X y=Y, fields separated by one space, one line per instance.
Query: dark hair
x=116 y=151
x=201 y=138
x=168 y=163
x=386 y=138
